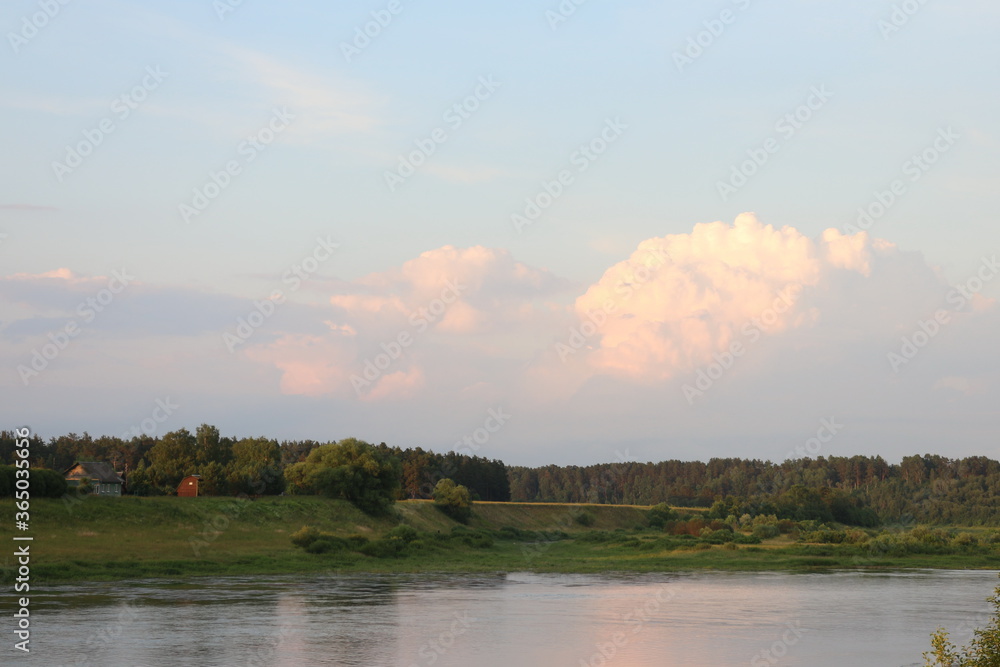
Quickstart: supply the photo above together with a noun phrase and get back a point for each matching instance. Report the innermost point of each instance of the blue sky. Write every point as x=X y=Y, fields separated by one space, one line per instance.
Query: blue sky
x=874 y=84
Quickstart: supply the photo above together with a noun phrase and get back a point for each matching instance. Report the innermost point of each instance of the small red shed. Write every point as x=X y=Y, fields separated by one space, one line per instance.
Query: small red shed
x=188 y=488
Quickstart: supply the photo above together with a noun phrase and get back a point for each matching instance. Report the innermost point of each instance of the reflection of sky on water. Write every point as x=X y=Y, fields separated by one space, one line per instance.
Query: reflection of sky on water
x=518 y=620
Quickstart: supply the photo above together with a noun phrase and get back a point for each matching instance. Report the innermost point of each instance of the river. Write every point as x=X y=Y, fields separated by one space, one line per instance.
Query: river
x=703 y=619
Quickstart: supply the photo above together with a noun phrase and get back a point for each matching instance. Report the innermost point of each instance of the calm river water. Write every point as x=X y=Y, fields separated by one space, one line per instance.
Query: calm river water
x=519 y=620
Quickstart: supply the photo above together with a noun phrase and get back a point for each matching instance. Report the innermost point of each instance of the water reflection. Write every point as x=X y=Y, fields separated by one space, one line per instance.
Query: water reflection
x=515 y=619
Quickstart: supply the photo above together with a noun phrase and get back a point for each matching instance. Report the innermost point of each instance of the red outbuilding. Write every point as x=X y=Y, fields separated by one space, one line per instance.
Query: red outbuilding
x=188 y=488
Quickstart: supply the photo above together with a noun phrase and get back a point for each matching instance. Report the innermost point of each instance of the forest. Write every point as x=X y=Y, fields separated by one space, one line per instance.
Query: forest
x=857 y=490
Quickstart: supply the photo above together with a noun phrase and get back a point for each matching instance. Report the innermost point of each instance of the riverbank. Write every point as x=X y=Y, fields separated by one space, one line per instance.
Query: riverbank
x=122 y=538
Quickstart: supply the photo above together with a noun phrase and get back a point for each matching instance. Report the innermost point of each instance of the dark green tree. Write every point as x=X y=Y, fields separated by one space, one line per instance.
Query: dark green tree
x=350 y=469
x=453 y=499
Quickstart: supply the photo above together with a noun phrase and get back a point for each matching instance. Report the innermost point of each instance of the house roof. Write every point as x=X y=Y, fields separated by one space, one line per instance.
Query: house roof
x=100 y=472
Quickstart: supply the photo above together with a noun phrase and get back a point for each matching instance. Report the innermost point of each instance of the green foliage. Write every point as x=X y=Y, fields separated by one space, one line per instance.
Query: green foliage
x=326 y=544
x=42 y=483
x=350 y=469
x=403 y=532
x=305 y=536
x=766 y=532
x=659 y=515
x=478 y=539
x=7 y=480
x=453 y=499
x=585 y=519
x=982 y=651
x=387 y=547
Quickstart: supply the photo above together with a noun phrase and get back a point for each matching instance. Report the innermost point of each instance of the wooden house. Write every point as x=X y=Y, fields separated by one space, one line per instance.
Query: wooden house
x=188 y=488
x=104 y=481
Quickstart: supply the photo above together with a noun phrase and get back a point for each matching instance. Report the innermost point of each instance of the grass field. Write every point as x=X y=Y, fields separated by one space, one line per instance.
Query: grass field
x=119 y=538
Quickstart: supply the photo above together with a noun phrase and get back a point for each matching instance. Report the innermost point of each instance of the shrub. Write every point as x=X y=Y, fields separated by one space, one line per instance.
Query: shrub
x=403 y=532
x=391 y=547
x=356 y=541
x=585 y=519
x=786 y=526
x=766 y=531
x=325 y=544
x=512 y=533
x=659 y=515
x=596 y=536
x=477 y=539
x=453 y=499
x=305 y=536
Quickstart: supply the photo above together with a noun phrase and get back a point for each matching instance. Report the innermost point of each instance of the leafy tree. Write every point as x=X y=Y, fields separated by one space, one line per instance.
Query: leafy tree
x=210 y=446
x=350 y=469
x=256 y=467
x=172 y=458
x=453 y=499
x=982 y=651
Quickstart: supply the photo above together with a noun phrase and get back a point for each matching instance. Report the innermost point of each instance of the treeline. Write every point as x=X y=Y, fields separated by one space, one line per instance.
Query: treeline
x=251 y=466
x=922 y=489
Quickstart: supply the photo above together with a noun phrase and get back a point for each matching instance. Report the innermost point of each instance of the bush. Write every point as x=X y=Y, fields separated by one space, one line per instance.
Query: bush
x=453 y=499
x=403 y=532
x=766 y=532
x=982 y=651
x=512 y=533
x=659 y=515
x=391 y=547
x=598 y=536
x=306 y=536
x=473 y=538
x=325 y=544
x=585 y=519
x=356 y=541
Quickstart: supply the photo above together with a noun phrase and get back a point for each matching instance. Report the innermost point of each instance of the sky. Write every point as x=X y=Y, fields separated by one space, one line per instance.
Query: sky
x=544 y=232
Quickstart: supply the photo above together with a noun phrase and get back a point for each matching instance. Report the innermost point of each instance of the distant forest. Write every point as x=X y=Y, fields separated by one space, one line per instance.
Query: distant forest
x=858 y=490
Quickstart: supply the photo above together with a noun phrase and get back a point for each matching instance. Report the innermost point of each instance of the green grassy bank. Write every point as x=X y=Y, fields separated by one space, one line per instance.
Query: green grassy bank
x=118 y=538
